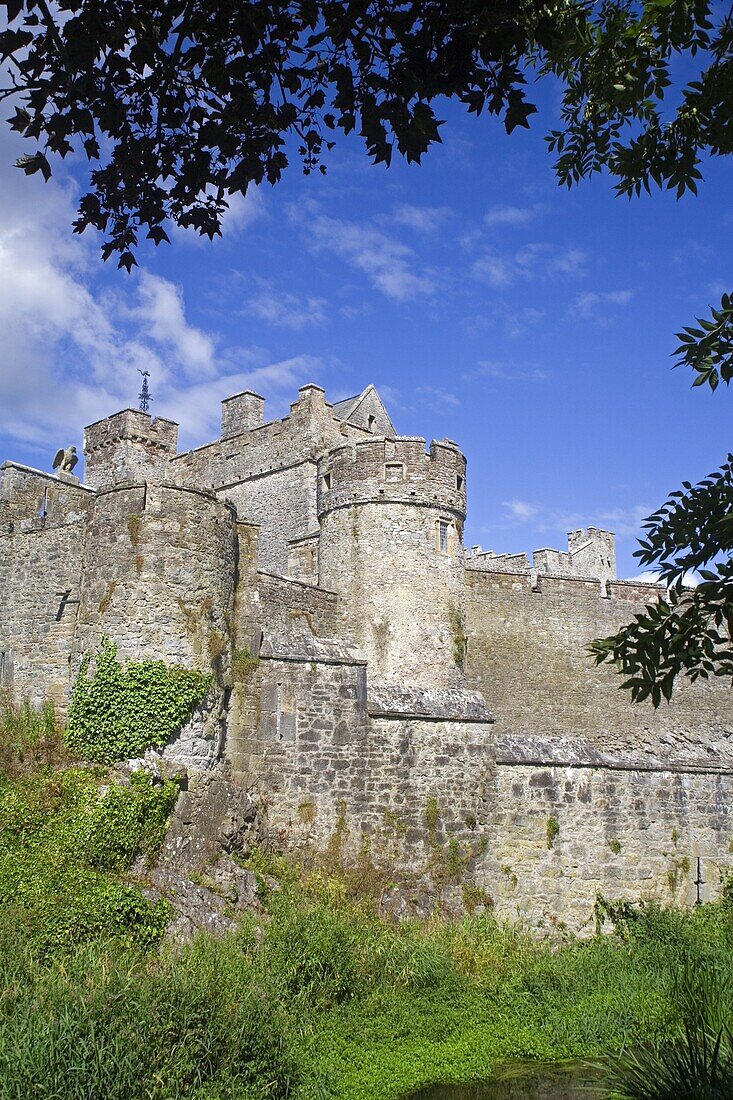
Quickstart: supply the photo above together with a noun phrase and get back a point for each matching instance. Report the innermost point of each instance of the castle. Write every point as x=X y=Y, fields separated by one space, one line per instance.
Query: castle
x=374 y=682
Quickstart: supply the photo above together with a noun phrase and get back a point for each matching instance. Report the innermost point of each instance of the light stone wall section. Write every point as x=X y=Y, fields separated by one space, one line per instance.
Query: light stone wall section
x=283 y=503
x=528 y=655
x=42 y=532
x=381 y=506
x=40 y=584
x=559 y=835
x=129 y=446
x=337 y=768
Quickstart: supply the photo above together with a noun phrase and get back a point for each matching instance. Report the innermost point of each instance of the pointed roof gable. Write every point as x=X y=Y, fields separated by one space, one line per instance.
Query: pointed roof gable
x=365 y=410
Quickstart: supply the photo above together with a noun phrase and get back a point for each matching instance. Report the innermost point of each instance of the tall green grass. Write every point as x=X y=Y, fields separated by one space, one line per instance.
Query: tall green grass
x=317 y=999
x=116 y=1025
x=29 y=736
x=320 y=1001
x=696 y=1063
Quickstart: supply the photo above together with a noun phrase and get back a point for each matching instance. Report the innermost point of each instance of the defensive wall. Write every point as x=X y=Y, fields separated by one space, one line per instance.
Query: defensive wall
x=380 y=689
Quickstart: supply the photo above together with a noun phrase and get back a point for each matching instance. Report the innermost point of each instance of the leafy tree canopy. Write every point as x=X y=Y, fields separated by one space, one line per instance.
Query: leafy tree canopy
x=688 y=633
x=178 y=105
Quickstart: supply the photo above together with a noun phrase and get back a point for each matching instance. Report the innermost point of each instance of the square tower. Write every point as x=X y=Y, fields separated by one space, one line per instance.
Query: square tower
x=129 y=446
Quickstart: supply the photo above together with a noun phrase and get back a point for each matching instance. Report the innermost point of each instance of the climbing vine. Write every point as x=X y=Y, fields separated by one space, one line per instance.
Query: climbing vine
x=122 y=710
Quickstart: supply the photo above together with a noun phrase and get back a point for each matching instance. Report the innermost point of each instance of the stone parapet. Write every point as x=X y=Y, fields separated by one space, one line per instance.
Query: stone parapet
x=393 y=471
x=129 y=446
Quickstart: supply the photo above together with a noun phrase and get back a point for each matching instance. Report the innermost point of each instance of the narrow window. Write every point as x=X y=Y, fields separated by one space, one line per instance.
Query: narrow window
x=394 y=471
x=443 y=535
x=326 y=481
x=371 y=421
x=459 y=482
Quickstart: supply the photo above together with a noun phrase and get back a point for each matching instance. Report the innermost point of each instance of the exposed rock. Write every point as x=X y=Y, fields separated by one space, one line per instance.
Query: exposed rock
x=236 y=885
x=196 y=908
x=212 y=814
x=212 y=818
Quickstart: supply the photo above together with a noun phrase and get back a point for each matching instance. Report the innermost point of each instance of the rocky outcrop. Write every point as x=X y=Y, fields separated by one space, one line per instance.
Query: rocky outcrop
x=214 y=819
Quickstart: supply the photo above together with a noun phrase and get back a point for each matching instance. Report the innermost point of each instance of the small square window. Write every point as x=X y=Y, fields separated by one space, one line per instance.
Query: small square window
x=394 y=471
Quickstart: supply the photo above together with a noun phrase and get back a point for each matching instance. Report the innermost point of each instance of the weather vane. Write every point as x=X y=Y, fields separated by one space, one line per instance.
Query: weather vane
x=144 y=395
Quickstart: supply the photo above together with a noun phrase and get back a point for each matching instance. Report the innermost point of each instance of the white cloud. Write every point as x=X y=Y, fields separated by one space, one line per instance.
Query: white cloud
x=510 y=215
x=622 y=521
x=162 y=315
x=519 y=320
x=541 y=260
x=487 y=368
x=389 y=264
x=423 y=219
x=435 y=397
x=495 y=270
x=285 y=310
x=72 y=349
x=242 y=211
x=197 y=407
x=532 y=261
x=592 y=303
x=521 y=510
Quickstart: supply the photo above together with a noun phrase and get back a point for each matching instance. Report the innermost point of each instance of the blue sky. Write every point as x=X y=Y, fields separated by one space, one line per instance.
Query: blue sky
x=531 y=324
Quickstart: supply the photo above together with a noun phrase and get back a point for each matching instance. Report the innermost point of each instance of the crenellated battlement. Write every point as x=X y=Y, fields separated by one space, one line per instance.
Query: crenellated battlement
x=393 y=471
x=590 y=556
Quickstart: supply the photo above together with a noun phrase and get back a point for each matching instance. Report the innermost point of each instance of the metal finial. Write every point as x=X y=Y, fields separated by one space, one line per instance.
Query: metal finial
x=144 y=395
x=699 y=881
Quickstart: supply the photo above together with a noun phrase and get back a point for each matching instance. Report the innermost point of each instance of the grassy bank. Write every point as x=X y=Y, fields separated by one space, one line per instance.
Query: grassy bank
x=332 y=1003
x=318 y=999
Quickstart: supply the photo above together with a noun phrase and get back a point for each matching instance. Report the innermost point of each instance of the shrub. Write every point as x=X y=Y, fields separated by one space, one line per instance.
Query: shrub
x=62 y=845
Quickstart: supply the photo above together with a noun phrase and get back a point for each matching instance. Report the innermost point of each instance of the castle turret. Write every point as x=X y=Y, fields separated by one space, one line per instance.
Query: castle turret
x=129 y=446
x=391 y=519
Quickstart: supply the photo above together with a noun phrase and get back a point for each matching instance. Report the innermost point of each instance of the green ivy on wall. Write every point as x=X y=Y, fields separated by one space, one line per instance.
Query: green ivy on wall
x=122 y=710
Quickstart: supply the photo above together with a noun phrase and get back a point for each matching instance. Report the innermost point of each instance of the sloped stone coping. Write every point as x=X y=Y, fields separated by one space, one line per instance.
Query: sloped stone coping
x=436 y=704
x=564 y=753
x=330 y=651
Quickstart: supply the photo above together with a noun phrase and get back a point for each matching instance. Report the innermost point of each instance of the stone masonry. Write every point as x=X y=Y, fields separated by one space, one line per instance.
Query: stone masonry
x=378 y=690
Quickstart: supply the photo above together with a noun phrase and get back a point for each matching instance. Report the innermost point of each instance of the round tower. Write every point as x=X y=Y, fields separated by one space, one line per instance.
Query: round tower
x=391 y=517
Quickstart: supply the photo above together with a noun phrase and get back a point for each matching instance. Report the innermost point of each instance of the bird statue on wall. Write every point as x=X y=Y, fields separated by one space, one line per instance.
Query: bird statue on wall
x=65 y=460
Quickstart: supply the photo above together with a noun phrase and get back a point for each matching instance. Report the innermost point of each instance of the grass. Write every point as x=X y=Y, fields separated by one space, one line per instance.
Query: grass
x=320 y=998
x=328 y=1001
x=29 y=737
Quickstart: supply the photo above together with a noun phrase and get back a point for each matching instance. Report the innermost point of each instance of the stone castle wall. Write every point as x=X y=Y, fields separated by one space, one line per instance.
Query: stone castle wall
x=159 y=573
x=42 y=532
x=338 y=767
x=528 y=654
x=283 y=503
x=559 y=835
x=317 y=569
